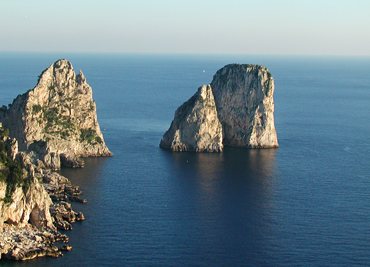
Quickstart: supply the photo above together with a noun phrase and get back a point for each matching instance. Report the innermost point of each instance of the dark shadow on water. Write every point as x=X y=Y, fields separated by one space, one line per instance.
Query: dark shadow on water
x=255 y=167
x=85 y=177
x=247 y=174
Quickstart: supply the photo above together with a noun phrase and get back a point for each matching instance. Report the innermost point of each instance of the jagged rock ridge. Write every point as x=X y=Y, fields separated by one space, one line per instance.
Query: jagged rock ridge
x=57 y=117
x=243 y=96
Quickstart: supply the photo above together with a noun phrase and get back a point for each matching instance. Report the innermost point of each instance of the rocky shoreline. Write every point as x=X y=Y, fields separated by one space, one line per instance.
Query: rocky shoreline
x=46 y=128
x=60 y=190
x=30 y=242
x=26 y=243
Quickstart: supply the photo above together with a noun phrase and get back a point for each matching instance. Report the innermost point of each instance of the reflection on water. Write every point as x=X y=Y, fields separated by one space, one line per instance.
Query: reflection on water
x=229 y=197
x=213 y=171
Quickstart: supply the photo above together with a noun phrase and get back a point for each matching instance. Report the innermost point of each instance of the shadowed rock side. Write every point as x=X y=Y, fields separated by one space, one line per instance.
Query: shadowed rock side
x=195 y=126
x=236 y=109
x=57 y=117
x=245 y=105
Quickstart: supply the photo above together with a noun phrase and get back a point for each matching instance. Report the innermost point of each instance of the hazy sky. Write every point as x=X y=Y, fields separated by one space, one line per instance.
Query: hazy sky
x=332 y=27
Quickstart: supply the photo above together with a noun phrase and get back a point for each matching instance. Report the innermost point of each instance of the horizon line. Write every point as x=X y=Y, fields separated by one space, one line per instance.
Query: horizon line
x=176 y=53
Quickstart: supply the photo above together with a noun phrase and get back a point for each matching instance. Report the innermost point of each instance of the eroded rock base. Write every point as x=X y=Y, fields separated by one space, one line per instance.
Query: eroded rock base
x=29 y=243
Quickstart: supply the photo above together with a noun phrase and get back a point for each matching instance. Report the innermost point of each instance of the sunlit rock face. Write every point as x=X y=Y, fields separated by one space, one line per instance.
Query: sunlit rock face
x=51 y=125
x=57 y=117
x=196 y=126
x=236 y=109
x=244 y=98
x=28 y=206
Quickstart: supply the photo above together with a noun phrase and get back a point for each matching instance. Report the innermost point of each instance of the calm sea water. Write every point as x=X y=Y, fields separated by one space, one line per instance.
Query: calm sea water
x=306 y=203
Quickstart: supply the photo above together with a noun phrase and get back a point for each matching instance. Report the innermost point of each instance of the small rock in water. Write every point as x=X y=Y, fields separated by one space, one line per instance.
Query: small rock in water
x=65 y=248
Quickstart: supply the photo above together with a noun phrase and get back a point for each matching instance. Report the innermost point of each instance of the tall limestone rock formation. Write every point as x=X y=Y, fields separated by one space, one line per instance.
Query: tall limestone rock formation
x=245 y=105
x=196 y=126
x=57 y=119
x=243 y=97
x=55 y=123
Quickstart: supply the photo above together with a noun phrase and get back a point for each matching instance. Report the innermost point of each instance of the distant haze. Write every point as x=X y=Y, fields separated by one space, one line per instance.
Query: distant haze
x=325 y=27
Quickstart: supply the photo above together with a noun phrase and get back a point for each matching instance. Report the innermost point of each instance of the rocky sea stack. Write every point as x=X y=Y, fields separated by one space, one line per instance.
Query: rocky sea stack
x=57 y=119
x=50 y=126
x=238 y=110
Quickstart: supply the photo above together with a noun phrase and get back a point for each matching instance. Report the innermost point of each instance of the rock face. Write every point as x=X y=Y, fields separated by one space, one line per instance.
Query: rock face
x=57 y=117
x=196 y=126
x=51 y=125
x=28 y=217
x=245 y=105
x=236 y=109
x=29 y=206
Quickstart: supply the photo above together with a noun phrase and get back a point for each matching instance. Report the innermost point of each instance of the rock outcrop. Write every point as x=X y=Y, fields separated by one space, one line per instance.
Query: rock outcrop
x=57 y=117
x=27 y=227
x=245 y=104
x=243 y=117
x=51 y=125
x=28 y=217
x=30 y=205
x=29 y=243
x=196 y=126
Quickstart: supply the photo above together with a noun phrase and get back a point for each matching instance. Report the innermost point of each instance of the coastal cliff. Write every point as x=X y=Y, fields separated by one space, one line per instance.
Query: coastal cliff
x=27 y=227
x=241 y=97
x=52 y=125
x=57 y=119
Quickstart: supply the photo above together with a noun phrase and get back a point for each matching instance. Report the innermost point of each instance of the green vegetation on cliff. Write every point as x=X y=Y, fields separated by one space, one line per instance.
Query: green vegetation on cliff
x=11 y=172
x=90 y=136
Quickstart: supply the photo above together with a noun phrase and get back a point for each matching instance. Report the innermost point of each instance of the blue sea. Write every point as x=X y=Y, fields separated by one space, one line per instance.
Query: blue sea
x=306 y=203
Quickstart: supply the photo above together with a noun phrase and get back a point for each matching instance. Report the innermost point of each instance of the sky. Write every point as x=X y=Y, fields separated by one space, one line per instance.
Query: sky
x=279 y=27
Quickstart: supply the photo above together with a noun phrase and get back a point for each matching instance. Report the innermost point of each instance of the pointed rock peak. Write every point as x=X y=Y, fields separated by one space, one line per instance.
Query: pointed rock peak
x=63 y=66
x=56 y=72
x=80 y=78
x=195 y=126
x=59 y=111
x=62 y=63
